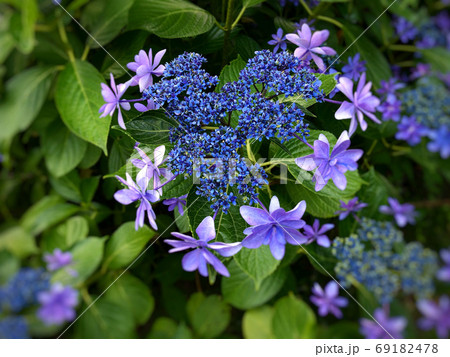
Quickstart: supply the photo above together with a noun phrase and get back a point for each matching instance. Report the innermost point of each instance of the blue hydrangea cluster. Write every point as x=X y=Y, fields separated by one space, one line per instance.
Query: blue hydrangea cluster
x=215 y=124
x=430 y=35
x=378 y=258
x=23 y=289
x=417 y=101
x=13 y=327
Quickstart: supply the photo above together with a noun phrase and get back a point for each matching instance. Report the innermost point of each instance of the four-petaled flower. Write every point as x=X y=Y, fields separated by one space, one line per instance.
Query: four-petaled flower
x=351 y=206
x=384 y=326
x=410 y=130
x=440 y=141
x=328 y=299
x=362 y=102
x=201 y=256
x=57 y=260
x=435 y=315
x=390 y=108
x=309 y=45
x=179 y=202
x=151 y=170
x=278 y=41
x=354 y=68
x=316 y=233
x=332 y=165
x=112 y=98
x=403 y=213
x=275 y=227
x=58 y=304
x=138 y=192
x=390 y=86
x=146 y=67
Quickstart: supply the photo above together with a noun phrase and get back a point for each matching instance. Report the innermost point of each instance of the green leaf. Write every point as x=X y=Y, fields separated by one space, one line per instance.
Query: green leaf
x=178 y=187
x=63 y=150
x=293 y=318
x=170 y=19
x=151 y=128
x=163 y=327
x=125 y=245
x=6 y=44
x=104 y=319
x=133 y=295
x=230 y=73
x=320 y=258
x=208 y=315
x=239 y=289
x=78 y=99
x=438 y=57
x=9 y=265
x=32 y=84
x=22 y=26
x=249 y=3
x=18 y=241
x=87 y=255
x=377 y=65
x=65 y=235
x=258 y=264
x=46 y=213
x=257 y=323
x=105 y=19
x=68 y=186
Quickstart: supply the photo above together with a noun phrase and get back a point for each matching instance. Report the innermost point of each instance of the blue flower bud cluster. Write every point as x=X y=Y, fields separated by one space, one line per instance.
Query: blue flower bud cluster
x=13 y=327
x=430 y=35
x=378 y=258
x=417 y=101
x=215 y=124
x=23 y=289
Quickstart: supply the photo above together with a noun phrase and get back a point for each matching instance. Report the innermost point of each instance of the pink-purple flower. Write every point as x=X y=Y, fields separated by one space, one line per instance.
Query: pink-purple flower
x=390 y=108
x=278 y=40
x=58 y=304
x=328 y=299
x=403 y=213
x=179 y=202
x=411 y=130
x=384 y=327
x=435 y=315
x=200 y=256
x=443 y=274
x=146 y=67
x=309 y=45
x=112 y=97
x=57 y=260
x=362 y=102
x=274 y=227
x=331 y=166
x=317 y=233
x=138 y=192
x=351 y=206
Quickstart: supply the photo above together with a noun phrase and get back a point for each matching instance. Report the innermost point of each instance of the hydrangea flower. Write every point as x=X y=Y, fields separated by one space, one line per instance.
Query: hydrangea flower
x=316 y=233
x=112 y=98
x=410 y=130
x=362 y=102
x=440 y=141
x=444 y=273
x=391 y=86
x=328 y=299
x=421 y=70
x=354 y=67
x=58 y=304
x=179 y=202
x=435 y=315
x=390 y=108
x=275 y=227
x=309 y=45
x=138 y=192
x=385 y=327
x=331 y=166
x=403 y=213
x=146 y=67
x=13 y=327
x=201 y=256
x=279 y=41
x=57 y=259
x=151 y=170
x=351 y=206
x=151 y=105
x=405 y=30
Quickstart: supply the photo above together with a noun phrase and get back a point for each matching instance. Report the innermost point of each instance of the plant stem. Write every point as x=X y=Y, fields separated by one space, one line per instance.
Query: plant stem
x=304 y=141
x=308 y=10
x=404 y=48
x=85 y=53
x=226 y=39
x=330 y=20
x=238 y=17
x=65 y=40
x=332 y=101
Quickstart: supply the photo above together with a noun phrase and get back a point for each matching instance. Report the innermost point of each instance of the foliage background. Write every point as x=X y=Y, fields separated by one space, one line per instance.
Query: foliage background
x=58 y=158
